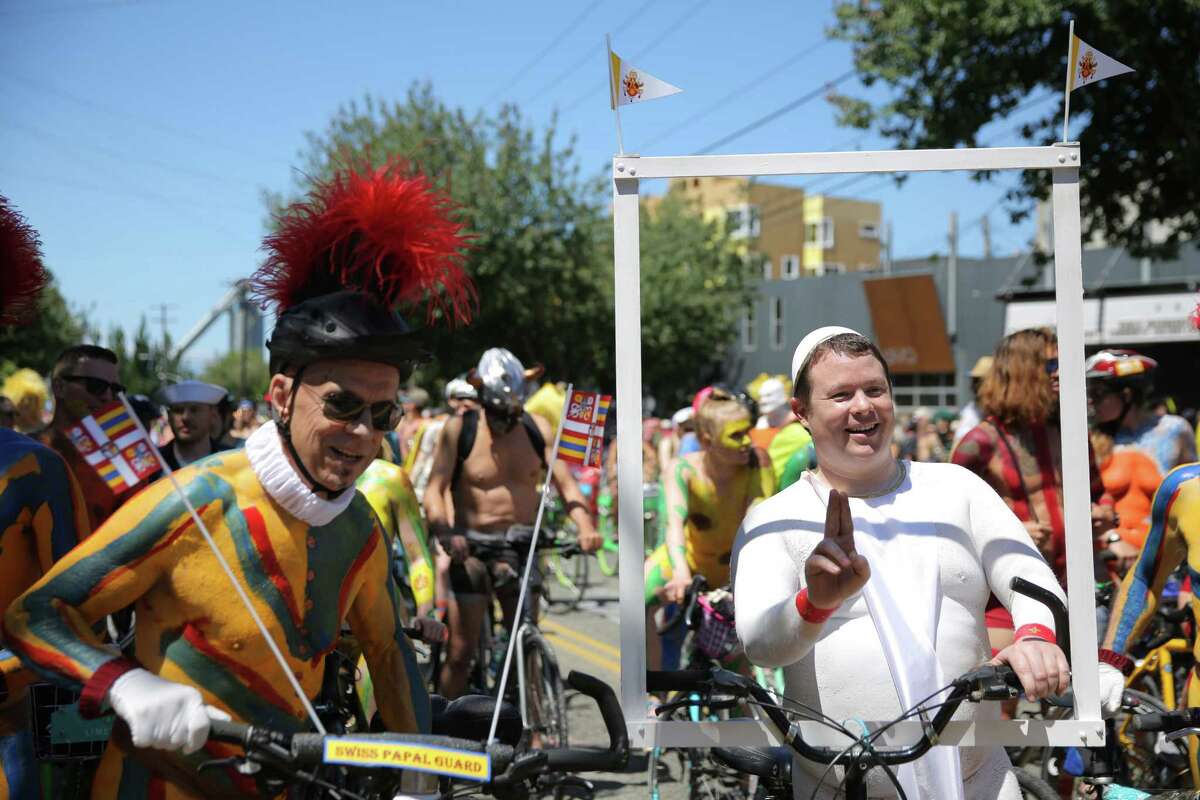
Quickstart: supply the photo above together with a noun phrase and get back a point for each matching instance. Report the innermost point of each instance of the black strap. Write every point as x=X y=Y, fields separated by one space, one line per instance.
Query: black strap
x=470 y=427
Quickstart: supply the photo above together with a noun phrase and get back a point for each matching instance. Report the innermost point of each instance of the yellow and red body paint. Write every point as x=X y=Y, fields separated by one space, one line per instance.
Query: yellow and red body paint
x=391 y=495
x=304 y=581
x=42 y=516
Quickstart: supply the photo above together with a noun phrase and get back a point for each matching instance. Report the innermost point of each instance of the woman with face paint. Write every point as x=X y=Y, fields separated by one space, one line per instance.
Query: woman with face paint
x=708 y=494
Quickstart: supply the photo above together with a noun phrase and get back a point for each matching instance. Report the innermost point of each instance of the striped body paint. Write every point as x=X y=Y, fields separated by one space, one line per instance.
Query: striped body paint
x=390 y=492
x=42 y=516
x=1173 y=537
x=304 y=581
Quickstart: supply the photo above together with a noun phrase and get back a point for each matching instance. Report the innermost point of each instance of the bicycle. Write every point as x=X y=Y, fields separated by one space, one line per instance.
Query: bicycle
x=719 y=688
x=711 y=642
x=366 y=764
x=653 y=520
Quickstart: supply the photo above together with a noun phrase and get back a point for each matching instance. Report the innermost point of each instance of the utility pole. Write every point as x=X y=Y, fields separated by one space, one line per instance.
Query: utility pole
x=952 y=279
x=986 y=226
x=163 y=311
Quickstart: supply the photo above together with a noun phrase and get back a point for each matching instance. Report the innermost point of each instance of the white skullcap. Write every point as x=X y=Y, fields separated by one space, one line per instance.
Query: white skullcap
x=681 y=416
x=771 y=395
x=193 y=392
x=804 y=350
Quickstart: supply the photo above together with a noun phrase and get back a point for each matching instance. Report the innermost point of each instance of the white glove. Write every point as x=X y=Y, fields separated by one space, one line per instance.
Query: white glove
x=162 y=713
x=1112 y=689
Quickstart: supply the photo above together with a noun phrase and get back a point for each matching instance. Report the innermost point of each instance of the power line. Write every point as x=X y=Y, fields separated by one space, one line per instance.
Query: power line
x=672 y=28
x=776 y=114
x=757 y=80
x=588 y=55
x=555 y=41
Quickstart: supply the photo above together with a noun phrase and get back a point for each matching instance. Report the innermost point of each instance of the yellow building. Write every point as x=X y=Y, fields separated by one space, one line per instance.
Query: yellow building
x=795 y=233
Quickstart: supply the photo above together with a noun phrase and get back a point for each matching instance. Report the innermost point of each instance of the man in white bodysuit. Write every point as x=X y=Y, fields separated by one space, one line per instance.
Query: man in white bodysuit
x=867 y=579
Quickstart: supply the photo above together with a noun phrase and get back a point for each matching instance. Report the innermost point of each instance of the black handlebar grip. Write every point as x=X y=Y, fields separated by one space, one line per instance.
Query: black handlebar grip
x=681 y=680
x=1152 y=722
x=220 y=730
x=617 y=754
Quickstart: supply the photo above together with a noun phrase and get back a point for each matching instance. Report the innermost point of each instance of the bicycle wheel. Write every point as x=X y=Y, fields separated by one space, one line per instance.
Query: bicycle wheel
x=1034 y=788
x=544 y=694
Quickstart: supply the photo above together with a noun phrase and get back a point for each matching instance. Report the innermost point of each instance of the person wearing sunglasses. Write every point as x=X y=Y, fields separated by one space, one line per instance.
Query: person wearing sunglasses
x=84 y=380
x=194 y=419
x=305 y=546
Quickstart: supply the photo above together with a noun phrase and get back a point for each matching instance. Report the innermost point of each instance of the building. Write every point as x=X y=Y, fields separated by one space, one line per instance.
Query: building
x=795 y=233
x=931 y=344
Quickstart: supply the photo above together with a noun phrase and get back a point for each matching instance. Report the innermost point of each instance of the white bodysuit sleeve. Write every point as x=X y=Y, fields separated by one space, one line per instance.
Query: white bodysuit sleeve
x=1006 y=550
x=767 y=577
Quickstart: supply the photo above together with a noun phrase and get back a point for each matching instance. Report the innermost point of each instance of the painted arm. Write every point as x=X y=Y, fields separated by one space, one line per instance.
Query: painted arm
x=411 y=530
x=49 y=626
x=374 y=618
x=1164 y=549
x=677 y=492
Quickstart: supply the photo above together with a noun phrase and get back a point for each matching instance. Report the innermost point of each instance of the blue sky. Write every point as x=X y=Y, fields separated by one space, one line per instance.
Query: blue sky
x=138 y=135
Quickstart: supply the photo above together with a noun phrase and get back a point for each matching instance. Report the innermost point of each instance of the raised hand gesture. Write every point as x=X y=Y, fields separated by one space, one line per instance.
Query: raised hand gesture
x=835 y=570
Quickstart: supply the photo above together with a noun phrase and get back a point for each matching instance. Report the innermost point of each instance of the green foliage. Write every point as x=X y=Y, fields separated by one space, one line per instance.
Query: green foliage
x=953 y=66
x=226 y=371
x=541 y=255
x=144 y=364
x=695 y=287
x=36 y=344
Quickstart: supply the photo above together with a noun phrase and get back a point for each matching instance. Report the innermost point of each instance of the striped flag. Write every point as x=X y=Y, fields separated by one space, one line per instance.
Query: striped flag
x=583 y=428
x=111 y=443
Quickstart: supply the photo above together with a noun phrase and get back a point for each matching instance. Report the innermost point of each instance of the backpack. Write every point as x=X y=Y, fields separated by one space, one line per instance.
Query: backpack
x=470 y=426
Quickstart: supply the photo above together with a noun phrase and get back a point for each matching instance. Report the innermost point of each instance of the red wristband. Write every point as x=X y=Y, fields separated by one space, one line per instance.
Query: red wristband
x=809 y=612
x=91 y=699
x=1115 y=659
x=1034 y=631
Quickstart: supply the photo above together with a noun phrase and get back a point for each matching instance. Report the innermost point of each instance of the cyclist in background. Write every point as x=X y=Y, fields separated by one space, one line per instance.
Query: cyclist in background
x=283 y=510
x=708 y=494
x=781 y=434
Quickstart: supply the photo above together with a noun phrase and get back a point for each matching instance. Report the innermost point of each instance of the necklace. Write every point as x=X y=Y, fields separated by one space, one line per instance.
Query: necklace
x=893 y=485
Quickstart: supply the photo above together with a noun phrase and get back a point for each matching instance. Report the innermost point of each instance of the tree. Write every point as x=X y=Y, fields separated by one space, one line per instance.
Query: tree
x=535 y=225
x=953 y=67
x=144 y=366
x=52 y=329
x=227 y=371
x=695 y=287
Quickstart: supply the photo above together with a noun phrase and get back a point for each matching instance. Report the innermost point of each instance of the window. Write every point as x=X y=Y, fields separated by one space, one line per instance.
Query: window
x=767 y=273
x=933 y=390
x=748 y=325
x=819 y=233
x=743 y=221
x=789 y=267
x=777 y=323
x=868 y=230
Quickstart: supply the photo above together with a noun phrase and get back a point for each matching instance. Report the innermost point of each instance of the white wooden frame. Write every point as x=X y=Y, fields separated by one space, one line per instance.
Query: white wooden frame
x=1062 y=160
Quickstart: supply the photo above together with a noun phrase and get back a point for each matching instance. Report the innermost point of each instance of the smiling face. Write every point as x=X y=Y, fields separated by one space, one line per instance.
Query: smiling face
x=335 y=453
x=850 y=415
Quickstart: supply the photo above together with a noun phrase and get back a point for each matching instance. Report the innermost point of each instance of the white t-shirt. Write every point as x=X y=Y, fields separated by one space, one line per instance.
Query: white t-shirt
x=840 y=666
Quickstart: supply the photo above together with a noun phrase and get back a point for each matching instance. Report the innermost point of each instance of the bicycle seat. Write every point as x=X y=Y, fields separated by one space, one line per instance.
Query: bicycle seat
x=771 y=763
x=470 y=717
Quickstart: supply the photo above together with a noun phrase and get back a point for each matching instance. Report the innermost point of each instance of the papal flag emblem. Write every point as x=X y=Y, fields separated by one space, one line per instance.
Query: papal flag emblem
x=1089 y=65
x=632 y=85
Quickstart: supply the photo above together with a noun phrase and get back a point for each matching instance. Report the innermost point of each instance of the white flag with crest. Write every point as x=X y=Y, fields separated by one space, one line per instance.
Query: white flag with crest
x=1089 y=65
x=632 y=85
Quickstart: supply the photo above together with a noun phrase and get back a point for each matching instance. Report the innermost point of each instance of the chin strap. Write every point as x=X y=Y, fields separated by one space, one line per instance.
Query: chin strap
x=285 y=433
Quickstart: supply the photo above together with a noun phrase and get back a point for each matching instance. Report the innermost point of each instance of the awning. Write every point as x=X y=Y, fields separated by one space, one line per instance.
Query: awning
x=909 y=326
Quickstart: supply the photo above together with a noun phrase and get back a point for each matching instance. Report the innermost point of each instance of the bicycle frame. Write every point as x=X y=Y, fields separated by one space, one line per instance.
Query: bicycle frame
x=1159 y=663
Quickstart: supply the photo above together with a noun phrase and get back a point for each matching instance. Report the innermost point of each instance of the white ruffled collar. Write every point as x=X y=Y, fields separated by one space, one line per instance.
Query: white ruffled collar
x=285 y=486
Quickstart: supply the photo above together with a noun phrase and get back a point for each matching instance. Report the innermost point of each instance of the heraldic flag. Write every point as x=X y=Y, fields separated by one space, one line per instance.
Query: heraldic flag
x=1089 y=65
x=111 y=442
x=632 y=85
x=583 y=428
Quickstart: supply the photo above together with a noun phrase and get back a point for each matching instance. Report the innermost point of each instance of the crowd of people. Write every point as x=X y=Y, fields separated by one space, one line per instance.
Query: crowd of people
x=869 y=554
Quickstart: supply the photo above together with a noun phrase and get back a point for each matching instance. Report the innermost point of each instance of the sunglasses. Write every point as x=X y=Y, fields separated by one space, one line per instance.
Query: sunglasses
x=95 y=386
x=1051 y=366
x=343 y=406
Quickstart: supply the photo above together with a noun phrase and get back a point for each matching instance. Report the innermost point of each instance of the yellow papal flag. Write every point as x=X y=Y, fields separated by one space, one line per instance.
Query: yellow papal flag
x=632 y=85
x=1089 y=65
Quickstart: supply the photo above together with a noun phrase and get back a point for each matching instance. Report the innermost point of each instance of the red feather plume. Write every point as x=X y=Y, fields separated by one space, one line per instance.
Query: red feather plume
x=22 y=276
x=385 y=232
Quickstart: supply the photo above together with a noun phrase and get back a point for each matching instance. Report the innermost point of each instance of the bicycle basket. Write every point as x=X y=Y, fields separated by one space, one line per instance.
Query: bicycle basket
x=715 y=637
x=59 y=733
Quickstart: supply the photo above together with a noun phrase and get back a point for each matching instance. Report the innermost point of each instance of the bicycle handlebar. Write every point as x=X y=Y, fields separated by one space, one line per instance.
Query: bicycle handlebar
x=1168 y=721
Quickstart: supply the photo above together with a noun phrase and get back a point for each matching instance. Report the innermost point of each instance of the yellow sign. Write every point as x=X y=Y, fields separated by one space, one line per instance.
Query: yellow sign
x=400 y=755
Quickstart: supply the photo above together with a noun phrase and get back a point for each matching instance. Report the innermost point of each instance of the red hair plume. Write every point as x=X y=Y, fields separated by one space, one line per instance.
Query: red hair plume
x=22 y=276
x=382 y=231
